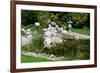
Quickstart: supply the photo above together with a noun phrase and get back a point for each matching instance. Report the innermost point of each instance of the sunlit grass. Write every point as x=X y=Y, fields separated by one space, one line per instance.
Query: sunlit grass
x=25 y=59
x=81 y=31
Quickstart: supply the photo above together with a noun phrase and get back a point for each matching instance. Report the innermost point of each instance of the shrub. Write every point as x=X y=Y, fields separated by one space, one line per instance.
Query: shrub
x=71 y=49
x=36 y=44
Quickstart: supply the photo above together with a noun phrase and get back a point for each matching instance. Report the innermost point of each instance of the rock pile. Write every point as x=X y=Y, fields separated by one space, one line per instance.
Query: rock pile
x=52 y=35
x=25 y=39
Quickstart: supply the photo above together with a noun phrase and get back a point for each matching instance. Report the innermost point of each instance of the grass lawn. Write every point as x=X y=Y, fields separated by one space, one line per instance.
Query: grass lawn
x=81 y=31
x=25 y=59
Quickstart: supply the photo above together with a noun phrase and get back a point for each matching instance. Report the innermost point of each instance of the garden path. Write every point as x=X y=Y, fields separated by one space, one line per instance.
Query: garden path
x=49 y=57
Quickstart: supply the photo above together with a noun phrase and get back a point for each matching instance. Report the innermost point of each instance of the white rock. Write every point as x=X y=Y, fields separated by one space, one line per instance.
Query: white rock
x=64 y=32
x=51 y=36
x=52 y=56
x=28 y=30
x=23 y=30
x=27 y=38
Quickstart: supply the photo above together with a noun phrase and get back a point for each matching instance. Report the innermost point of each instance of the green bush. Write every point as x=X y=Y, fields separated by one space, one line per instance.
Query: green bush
x=70 y=49
x=36 y=44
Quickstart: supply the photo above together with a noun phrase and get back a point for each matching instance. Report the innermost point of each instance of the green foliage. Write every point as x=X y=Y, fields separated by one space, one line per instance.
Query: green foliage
x=36 y=44
x=43 y=18
x=23 y=33
x=25 y=59
x=80 y=19
x=82 y=50
x=70 y=49
x=53 y=16
x=81 y=31
x=28 y=17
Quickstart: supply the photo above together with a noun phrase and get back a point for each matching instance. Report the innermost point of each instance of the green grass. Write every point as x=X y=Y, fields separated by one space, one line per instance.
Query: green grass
x=81 y=31
x=25 y=59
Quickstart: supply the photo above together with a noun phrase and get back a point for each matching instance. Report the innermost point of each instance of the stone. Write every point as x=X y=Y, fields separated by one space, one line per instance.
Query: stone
x=67 y=35
x=52 y=35
x=23 y=30
x=26 y=39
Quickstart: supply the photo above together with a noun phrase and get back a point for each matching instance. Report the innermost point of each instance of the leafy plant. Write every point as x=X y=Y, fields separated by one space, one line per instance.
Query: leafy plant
x=70 y=49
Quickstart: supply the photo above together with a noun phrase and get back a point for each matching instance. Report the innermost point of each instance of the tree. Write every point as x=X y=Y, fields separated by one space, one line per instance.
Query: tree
x=28 y=17
x=80 y=19
x=31 y=16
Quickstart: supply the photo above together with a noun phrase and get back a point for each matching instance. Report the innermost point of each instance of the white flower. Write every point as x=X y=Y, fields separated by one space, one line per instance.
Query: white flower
x=37 y=24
